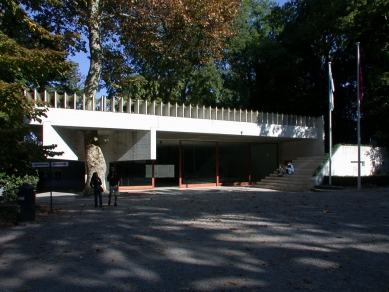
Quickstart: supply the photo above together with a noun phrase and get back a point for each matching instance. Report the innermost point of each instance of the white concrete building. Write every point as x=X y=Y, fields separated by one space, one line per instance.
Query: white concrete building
x=155 y=144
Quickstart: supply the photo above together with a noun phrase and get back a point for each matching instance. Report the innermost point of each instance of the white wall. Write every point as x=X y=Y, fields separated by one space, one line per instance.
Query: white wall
x=128 y=145
x=79 y=119
x=70 y=141
x=344 y=162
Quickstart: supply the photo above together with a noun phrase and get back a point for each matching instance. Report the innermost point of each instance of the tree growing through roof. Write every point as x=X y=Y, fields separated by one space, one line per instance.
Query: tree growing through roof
x=126 y=35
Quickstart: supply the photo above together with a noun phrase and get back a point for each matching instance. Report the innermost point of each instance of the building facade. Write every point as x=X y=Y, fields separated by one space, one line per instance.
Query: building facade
x=154 y=144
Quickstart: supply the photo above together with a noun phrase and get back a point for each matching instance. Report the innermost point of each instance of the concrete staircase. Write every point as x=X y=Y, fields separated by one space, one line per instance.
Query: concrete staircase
x=299 y=181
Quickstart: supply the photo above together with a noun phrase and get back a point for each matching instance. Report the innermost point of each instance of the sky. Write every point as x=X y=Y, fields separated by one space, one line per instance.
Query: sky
x=83 y=61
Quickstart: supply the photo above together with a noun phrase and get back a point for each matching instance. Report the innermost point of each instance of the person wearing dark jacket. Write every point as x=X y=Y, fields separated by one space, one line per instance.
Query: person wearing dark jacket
x=95 y=184
x=280 y=170
x=114 y=183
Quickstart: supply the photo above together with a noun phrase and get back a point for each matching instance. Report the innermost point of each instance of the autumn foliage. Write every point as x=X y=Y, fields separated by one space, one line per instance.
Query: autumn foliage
x=173 y=28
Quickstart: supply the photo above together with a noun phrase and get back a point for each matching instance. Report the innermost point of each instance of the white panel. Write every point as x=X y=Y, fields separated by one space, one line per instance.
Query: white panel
x=50 y=137
x=162 y=170
x=134 y=145
x=153 y=144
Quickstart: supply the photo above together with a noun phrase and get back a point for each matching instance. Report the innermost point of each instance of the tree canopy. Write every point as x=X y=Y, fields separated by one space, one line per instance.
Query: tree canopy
x=149 y=48
x=30 y=56
x=318 y=31
x=278 y=62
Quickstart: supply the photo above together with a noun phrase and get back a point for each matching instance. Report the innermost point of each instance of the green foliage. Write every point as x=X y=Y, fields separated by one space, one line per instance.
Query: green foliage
x=70 y=82
x=243 y=57
x=29 y=56
x=278 y=62
x=168 y=81
x=18 y=148
x=9 y=213
x=12 y=183
x=315 y=32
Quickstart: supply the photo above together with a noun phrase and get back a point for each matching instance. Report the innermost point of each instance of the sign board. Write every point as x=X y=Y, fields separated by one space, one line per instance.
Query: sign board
x=59 y=164
x=47 y=164
x=160 y=170
x=149 y=172
x=163 y=170
x=40 y=164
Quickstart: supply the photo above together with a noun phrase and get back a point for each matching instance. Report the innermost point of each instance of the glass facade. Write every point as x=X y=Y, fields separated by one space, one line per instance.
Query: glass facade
x=233 y=162
x=236 y=162
x=167 y=156
x=263 y=160
x=198 y=162
x=134 y=173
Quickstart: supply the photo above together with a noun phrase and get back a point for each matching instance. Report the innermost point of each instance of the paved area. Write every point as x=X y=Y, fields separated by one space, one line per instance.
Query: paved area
x=206 y=239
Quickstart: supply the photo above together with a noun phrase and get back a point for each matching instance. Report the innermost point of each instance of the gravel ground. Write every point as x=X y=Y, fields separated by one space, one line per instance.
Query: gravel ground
x=206 y=239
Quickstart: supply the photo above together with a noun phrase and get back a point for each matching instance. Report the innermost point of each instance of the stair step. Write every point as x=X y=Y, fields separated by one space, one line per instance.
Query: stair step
x=298 y=181
x=286 y=176
x=284 y=182
x=284 y=188
x=319 y=190
x=331 y=188
x=277 y=183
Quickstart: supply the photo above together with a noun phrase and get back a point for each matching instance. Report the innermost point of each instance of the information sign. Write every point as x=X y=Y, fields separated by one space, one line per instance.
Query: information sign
x=40 y=164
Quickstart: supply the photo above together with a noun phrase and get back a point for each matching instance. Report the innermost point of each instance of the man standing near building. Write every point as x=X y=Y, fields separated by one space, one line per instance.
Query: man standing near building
x=114 y=183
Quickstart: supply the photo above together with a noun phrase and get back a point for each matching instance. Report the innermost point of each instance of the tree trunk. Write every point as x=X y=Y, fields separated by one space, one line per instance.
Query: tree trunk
x=96 y=52
x=94 y=158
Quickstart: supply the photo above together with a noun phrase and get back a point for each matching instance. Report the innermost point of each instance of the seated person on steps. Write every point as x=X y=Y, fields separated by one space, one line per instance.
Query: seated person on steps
x=280 y=170
x=289 y=168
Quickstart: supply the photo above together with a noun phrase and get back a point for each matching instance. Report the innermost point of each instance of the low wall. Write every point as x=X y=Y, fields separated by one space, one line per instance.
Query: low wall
x=345 y=162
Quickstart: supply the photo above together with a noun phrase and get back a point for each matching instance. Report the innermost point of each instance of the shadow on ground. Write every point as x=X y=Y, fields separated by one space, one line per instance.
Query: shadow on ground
x=221 y=239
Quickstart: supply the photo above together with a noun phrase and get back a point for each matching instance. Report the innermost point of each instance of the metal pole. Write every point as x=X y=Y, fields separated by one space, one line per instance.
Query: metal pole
x=330 y=122
x=359 y=120
x=51 y=192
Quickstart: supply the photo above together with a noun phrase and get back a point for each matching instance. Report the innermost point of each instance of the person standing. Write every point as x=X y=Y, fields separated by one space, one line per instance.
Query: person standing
x=96 y=183
x=114 y=183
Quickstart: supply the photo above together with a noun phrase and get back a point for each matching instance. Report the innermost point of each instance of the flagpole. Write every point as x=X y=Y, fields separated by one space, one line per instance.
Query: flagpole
x=330 y=105
x=359 y=118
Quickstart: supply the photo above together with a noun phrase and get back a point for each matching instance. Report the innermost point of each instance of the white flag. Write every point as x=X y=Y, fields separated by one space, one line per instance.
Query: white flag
x=332 y=86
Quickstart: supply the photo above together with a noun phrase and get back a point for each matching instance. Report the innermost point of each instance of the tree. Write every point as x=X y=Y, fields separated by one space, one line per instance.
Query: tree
x=256 y=67
x=70 y=82
x=175 y=31
x=320 y=31
x=169 y=54
x=29 y=57
x=278 y=62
